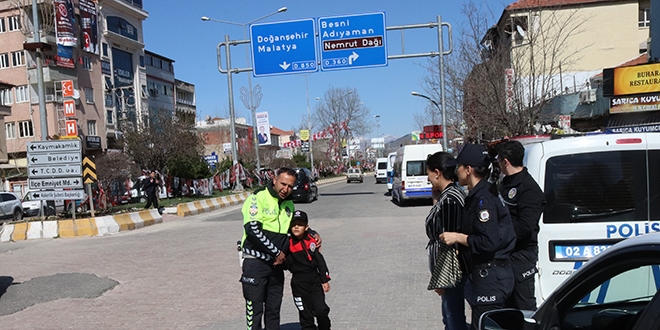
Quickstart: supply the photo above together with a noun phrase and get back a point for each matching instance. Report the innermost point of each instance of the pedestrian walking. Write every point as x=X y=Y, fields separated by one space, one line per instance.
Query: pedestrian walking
x=445 y=215
x=525 y=201
x=486 y=235
x=267 y=216
x=150 y=186
x=310 y=280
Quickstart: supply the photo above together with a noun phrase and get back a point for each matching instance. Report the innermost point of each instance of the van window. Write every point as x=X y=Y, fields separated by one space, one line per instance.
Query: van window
x=416 y=167
x=596 y=187
x=382 y=166
x=654 y=183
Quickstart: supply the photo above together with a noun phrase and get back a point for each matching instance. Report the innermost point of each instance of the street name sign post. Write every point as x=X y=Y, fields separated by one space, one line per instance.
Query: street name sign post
x=352 y=41
x=283 y=47
x=55 y=164
x=57 y=195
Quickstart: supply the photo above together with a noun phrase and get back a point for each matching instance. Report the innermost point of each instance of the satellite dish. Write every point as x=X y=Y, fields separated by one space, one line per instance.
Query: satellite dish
x=76 y=94
x=521 y=31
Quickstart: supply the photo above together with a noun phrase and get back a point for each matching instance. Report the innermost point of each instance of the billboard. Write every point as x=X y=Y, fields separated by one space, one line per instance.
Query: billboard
x=631 y=80
x=263 y=129
x=65 y=28
x=89 y=25
x=649 y=102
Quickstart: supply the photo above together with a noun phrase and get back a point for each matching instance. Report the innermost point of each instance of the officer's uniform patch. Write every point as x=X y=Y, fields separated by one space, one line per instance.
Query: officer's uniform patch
x=312 y=247
x=512 y=193
x=288 y=212
x=253 y=210
x=484 y=215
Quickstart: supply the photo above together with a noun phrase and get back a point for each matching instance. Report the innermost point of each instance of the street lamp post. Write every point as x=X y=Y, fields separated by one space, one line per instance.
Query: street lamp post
x=250 y=103
x=444 y=118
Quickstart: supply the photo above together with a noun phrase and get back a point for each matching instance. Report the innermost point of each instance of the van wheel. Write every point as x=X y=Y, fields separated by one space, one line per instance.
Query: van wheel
x=18 y=215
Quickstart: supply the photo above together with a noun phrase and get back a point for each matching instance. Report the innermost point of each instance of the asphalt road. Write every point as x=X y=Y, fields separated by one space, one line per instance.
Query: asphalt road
x=184 y=273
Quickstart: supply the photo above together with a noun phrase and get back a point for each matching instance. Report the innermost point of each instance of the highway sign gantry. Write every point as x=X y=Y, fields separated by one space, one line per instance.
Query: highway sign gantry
x=283 y=47
x=57 y=195
x=89 y=171
x=353 y=41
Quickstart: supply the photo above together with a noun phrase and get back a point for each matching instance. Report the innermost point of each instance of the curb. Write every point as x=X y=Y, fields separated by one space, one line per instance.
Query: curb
x=208 y=205
x=112 y=224
x=86 y=227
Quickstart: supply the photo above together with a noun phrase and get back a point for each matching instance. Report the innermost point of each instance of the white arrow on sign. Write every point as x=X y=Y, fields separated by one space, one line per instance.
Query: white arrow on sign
x=285 y=65
x=57 y=195
x=54 y=158
x=72 y=182
x=54 y=171
x=352 y=58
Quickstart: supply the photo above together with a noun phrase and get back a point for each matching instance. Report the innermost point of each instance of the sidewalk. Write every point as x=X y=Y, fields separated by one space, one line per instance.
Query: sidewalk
x=112 y=224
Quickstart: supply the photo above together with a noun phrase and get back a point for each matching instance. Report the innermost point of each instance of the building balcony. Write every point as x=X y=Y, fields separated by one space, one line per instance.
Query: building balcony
x=186 y=102
x=52 y=73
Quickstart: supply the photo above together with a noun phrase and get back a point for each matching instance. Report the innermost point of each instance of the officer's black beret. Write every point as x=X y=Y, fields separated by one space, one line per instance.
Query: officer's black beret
x=474 y=155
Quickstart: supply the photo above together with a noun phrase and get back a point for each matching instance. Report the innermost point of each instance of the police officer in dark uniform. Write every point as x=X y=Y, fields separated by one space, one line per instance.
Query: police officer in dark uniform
x=486 y=235
x=525 y=201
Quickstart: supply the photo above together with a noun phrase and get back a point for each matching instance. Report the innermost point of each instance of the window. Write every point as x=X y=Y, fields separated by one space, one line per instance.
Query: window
x=91 y=127
x=415 y=168
x=109 y=100
x=2 y=25
x=87 y=63
x=4 y=61
x=10 y=129
x=596 y=187
x=644 y=17
x=89 y=95
x=148 y=60
x=141 y=61
x=14 y=23
x=157 y=62
x=22 y=94
x=104 y=48
x=6 y=96
x=109 y=116
x=18 y=58
x=25 y=129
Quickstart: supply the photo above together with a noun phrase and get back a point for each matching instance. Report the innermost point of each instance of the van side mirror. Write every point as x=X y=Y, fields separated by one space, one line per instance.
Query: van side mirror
x=501 y=319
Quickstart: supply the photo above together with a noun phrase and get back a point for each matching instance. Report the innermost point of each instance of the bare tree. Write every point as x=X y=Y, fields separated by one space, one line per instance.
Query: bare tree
x=153 y=145
x=115 y=166
x=500 y=77
x=342 y=110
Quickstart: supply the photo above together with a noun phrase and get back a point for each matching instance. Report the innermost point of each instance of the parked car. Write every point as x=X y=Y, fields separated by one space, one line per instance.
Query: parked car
x=354 y=174
x=305 y=189
x=617 y=289
x=31 y=208
x=10 y=206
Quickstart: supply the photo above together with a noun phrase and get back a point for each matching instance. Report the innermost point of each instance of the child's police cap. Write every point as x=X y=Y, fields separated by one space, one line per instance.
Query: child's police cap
x=299 y=218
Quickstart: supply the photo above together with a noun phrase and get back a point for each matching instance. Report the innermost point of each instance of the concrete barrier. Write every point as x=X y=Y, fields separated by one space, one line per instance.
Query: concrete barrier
x=208 y=205
x=99 y=226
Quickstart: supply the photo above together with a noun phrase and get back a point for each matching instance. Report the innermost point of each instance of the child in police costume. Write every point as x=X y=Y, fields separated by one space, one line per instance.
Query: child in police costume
x=310 y=275
x=486 y=235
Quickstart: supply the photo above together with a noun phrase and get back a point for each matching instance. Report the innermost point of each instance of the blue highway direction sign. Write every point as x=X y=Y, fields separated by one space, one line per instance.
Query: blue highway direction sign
x=283 y=47
x=353 y=41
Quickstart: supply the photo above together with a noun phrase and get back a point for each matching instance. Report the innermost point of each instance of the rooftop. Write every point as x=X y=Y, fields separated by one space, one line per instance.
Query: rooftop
x=529 y=4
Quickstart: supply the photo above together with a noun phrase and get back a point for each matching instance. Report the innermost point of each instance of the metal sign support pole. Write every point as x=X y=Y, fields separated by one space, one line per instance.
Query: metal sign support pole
x=91 y=199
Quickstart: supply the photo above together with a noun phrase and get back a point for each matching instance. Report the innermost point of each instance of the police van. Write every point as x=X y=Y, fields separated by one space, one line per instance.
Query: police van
x=599 y=190
x=391 y=157
x=410 y=180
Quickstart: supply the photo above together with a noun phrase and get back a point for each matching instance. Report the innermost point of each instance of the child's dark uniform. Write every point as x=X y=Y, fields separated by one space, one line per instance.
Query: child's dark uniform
x=309 y=271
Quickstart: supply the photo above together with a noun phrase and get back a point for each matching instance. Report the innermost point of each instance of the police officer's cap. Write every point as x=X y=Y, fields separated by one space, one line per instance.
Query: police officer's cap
x=474 y=155
x=299 y=218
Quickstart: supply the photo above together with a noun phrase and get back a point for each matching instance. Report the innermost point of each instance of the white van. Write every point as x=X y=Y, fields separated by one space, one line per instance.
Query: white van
x=410 y=178
x=391 y=158
x=381 y=170
x=599 y=190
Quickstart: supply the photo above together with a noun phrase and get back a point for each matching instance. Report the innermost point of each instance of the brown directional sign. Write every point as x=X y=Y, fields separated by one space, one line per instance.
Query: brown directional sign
x=89 y=170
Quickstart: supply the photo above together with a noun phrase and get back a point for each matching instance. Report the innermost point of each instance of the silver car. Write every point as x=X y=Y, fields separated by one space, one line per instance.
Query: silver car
x=10 y=206
x=354 y=174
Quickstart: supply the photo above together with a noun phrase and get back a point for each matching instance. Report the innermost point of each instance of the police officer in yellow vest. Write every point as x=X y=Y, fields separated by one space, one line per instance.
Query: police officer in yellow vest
x=266 y=217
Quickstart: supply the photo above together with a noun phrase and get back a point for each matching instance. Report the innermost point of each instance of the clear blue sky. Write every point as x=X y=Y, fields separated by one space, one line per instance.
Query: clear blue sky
x=174 y=29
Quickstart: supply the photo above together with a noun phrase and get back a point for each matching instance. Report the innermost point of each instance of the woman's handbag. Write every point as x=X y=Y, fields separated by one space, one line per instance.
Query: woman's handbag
x=447 y=271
